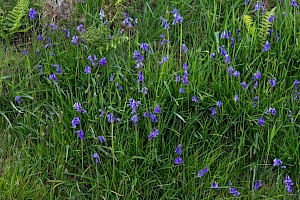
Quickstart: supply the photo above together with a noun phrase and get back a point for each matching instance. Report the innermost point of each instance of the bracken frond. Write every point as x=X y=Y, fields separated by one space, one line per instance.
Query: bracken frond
x=265 y=25
x=12 y=23
x=249 y=24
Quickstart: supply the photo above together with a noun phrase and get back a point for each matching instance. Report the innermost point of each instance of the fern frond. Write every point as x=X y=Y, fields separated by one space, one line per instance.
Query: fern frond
x=249 y=24
x=12 y=23
x=265 y=25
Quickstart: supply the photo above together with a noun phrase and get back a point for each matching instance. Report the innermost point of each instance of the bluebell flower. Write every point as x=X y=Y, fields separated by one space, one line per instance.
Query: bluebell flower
x=259 y=6
x=261 y=121
x=140 y=77
x=80 y=28
x=219 y=104
x=270 y=31
x=54 y=27
x=224 y=35
x=75 y=40
x=257 y=76
x=164 y=60
x=288 y=183
x=32 y=14
x=277 y=162
x=77 y=106
x=271 y=110
x=178 y=161
x=223 y=50
x=234 y=192
x=144 y=90
x=185 y=80
x=272 y=82
x=271 y=18
x=144 y=46
x=75 y=122
x=184 y=48
x=157 y=110
x=177 y=78
x=267 y=46
x=195 y=99
x=244 y=85
x=215 y=185
x=110 y=118
x=102 y=112
x=213 y=55
x=177 y=17
x=88 y=70
x=135 y=119
x=138 y=56
x=146 y=114
x=296 y=84
x=101 y=139
x=181 y=90
x=133 y=104
x=246 y=2
x=40 y=37
x=153 y=134
x=178 y=149
x=58 y=68
x=230 y=70
x=164 y=23
x=164 y=41
x=153 y=117
x=227 y=59
x=111 y=78
x=213 y=111
x=294 y=3
x=18 y=99
x=236 y=74
x=96 y=157
x=80 y=134
x=67 y=32
x=103 y=61
x=53 y=77
x=236 y=97
x=127 y=21
x=202 y=172
x=101 y=14
x=257 y=185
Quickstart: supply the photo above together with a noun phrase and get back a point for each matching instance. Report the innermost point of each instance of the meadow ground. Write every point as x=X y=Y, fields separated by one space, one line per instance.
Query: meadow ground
x=150 y=100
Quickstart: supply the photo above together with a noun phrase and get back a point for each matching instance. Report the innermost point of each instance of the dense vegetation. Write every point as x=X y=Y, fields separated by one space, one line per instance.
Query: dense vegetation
x=150 y=100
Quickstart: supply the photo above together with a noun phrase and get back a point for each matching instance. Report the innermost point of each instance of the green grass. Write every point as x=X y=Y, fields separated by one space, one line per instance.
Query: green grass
x=41 y=155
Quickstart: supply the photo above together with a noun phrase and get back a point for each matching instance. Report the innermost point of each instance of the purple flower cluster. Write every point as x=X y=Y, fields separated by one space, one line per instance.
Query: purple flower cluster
x=111 y=118
x=153 y=134
x=32 y=14
x=202 y=172
x=77 y=106
x=271 y=110
x=228 y=35
x=257 y=185
x=259 y=6
x=133 y=104
x=177 y=17
x=178 y=160
x=163 y=41
x=139 y=58
x=288 y=183
x=233 y=191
